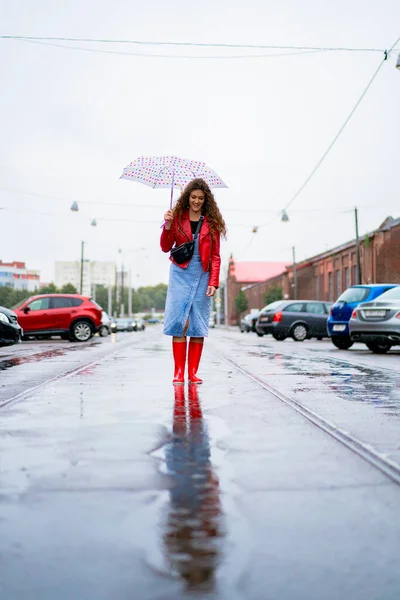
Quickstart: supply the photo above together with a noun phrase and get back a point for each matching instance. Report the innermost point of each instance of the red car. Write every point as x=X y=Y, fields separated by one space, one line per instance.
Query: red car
x=70 y=316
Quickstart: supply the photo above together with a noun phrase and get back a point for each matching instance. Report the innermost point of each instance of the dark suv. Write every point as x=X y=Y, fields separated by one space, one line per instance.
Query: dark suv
x=301 y=319
x=70 y=316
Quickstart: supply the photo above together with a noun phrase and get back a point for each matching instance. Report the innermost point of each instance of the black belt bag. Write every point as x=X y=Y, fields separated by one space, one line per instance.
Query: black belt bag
x=184 y=252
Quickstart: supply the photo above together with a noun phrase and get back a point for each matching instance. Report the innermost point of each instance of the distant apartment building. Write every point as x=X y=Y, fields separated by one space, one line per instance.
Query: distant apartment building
x=93 y=273
x=15 y=275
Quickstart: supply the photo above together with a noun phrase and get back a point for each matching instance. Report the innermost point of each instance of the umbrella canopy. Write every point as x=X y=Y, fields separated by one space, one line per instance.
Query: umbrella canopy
x=170 y=172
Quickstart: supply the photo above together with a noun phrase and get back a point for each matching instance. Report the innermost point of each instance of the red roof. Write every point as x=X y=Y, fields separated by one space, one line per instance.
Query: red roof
x=252 y=272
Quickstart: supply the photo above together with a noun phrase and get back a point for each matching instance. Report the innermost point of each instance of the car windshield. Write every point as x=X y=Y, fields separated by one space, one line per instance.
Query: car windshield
x=393 y=294
x=354 y=294
x=272 y=306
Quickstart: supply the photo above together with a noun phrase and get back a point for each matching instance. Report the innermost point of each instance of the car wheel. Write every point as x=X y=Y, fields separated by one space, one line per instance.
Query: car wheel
x=279 y=337
x=299 y=332
x=259 y=334
x=103 y=331
x=81 y=331
x=379 y=347
x=343 y=343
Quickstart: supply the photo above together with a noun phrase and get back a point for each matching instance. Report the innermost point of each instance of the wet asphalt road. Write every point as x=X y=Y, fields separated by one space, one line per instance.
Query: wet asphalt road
x=261 y=483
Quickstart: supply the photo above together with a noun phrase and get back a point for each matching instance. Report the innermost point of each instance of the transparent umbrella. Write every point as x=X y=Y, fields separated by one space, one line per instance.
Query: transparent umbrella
x=169 y=172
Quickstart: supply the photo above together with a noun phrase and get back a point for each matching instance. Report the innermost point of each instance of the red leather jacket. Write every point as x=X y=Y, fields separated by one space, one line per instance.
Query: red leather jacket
x=209 y=246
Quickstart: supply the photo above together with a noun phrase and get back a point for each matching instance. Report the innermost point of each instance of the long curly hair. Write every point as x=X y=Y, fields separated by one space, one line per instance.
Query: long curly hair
x=209 y=208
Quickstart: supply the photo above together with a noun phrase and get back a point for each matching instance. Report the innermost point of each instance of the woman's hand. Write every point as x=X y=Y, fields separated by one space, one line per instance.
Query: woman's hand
x=169 y=215
x=211 y=290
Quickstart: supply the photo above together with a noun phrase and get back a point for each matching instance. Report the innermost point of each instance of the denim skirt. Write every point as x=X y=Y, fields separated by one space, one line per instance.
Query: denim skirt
x=187 y=300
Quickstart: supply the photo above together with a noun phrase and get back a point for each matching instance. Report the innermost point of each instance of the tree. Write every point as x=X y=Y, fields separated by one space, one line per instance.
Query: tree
x=68 y=288
x=102 y=296
x=272 y=294
x=49 y=289
x=10 y=297
x=241 y=302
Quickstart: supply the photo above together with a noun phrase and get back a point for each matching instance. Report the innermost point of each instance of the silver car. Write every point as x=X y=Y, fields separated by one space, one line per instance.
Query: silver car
x=377 y=323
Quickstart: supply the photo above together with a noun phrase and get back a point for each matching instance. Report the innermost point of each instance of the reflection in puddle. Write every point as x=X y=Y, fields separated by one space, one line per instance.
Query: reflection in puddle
x=33 y=358
x=348 y=381
x=193 y=533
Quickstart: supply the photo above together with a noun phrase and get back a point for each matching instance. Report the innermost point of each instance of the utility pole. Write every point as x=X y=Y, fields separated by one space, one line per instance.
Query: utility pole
x=109 y=300
x=116 y=291
x=130 y=296
x=82 y=258
x=122 y=292
x=294 y=274
x=358 y=256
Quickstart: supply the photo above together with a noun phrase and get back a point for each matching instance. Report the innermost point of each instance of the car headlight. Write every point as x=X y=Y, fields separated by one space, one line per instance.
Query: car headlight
x=4 y=318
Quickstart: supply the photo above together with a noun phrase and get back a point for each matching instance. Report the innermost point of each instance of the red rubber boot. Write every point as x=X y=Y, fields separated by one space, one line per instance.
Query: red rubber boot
x=194 y=404
x=179 y=423
x=179 y=351
x=195 y=350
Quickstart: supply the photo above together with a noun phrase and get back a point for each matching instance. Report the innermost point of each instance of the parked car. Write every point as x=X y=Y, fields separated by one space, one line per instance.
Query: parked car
x=245 y=323
x=106 y=324
x=254 y=318
x=124 y=324
x=70 y=316
x=377 y=323
x=10 y=329
x=140 y=324
x=342 y=309
x=301 y=319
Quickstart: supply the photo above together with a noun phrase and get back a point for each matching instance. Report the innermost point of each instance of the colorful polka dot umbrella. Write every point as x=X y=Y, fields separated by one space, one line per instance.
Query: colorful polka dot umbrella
x=170 y=172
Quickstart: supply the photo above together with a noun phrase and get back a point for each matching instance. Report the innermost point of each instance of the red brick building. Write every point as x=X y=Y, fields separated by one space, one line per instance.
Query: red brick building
x=324 y=276
x=244 y=275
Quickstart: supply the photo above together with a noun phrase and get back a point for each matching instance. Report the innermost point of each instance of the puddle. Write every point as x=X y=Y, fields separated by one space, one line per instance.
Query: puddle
x=355 y=383
x=30 y=358
x=193 y=531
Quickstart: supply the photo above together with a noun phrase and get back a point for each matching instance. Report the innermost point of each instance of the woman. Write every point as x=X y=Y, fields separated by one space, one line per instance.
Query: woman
x=193 y=283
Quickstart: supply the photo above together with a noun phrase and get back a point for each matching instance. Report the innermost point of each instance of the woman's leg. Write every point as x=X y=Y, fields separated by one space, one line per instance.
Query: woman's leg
x=179 y=352
x=195 y=350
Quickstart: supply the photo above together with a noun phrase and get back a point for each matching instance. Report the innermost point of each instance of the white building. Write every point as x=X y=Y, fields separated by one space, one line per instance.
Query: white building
x=94 y=273
x=18 y=277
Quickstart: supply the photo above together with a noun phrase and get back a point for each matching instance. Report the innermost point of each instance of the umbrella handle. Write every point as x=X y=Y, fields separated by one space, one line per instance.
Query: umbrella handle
x=172 y=188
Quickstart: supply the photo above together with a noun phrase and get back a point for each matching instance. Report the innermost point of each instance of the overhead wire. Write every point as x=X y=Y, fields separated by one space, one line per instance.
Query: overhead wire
x=191 y=44
x=342 y=128
x=179 y=56
x=336 y=209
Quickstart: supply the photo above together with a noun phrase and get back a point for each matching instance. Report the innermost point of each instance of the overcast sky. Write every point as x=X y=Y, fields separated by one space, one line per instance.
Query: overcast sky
x=71 y=120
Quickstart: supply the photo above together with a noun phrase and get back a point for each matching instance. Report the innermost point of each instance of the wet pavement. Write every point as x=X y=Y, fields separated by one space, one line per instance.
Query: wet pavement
x=362 y=399
x=39 y=362
x=114 y=484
